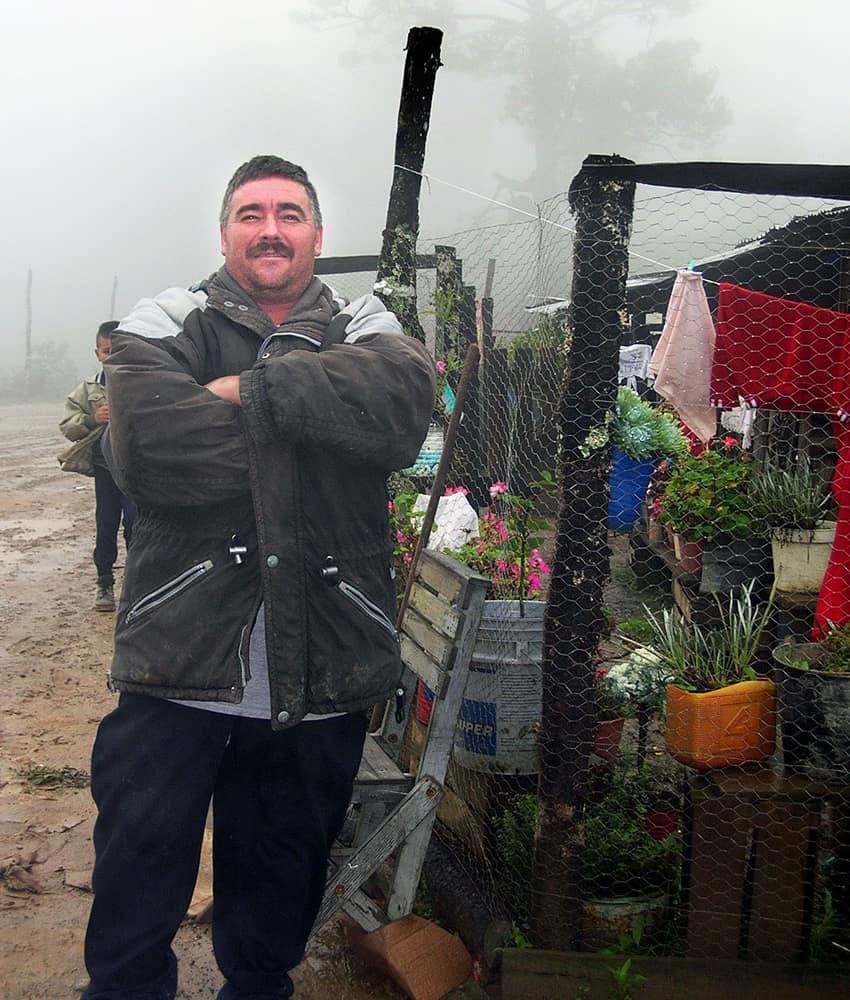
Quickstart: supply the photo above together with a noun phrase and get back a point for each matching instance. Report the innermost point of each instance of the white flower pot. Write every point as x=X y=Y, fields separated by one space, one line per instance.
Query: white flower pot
x=800 y=557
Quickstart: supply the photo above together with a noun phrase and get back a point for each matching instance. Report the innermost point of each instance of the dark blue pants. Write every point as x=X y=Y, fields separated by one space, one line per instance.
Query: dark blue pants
x=279 y=800
x=110 y=506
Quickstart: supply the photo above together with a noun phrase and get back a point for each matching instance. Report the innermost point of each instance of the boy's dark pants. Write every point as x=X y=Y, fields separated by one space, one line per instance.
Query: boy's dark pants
x=110 y=505
x=279 y=800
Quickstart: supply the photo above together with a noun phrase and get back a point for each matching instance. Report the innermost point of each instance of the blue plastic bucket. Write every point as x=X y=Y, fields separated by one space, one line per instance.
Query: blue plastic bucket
x=629 y=482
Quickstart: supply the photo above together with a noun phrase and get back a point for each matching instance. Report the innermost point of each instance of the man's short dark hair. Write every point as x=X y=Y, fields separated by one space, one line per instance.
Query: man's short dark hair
x=259 y=167
x=105 y=330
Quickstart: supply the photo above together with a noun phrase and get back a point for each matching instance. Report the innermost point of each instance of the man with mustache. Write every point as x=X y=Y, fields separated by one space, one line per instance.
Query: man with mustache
x=253 y=419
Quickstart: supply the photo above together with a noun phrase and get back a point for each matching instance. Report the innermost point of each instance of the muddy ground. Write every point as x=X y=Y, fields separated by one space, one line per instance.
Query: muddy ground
x=54 y=654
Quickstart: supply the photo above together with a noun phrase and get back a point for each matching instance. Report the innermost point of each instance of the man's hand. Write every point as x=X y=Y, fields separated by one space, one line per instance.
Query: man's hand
x=226 y=388
x=101 y=414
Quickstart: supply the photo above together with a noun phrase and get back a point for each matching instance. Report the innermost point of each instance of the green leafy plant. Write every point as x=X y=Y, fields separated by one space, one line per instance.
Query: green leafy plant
x=641 y=430
x=637 y=629
x=514 y=830
x=625 y=980
x=708 y=496
x=629 y=942
x=790 y=499
x=830 y=655
x=704 y=658
x=546 y=338
x=621 y=856
x=405 y=527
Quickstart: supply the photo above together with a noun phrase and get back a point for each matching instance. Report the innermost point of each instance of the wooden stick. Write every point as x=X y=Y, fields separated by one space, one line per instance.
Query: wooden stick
x=469 y=366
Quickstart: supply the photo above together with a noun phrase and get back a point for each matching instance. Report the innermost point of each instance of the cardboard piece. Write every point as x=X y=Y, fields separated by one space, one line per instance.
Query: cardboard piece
x=425 y=961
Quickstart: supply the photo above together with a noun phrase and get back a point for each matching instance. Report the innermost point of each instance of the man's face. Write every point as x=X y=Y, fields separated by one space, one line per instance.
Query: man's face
x=102 y=349
x=270 y=240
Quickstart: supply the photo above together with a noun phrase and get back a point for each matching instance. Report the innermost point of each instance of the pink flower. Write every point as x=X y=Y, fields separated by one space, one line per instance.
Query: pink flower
x=408 y=557
x=401 y=538
x=536 y=561
x=390 y=505
x=456 y=489
x=730 y=442
x=441 y=367
x=498 y=489
x=533 y=583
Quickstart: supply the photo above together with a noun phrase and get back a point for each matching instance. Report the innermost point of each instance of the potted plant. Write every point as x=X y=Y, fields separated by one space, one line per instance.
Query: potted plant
x=813 y=689
x=504 y=690
x=628 y=864
x=719 y=710
x=630 y=688
x=628 y=869
x=708 y=501
x=795 y=503
x=640 y=435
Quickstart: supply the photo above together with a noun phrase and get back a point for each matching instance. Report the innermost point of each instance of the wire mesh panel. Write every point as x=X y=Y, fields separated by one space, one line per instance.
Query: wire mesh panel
x=654 y=750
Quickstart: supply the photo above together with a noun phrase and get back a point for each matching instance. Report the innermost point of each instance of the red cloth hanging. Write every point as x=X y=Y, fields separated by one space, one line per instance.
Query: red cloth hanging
x=786 y=355
x=779 y=354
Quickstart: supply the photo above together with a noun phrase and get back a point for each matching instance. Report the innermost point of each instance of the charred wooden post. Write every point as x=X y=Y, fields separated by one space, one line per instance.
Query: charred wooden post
x=446 y=304
x=471 y=460
x=396 y=282
x=574 y=618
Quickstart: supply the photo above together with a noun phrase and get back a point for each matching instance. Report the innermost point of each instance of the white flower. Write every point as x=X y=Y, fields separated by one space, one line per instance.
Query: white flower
x=641 y=678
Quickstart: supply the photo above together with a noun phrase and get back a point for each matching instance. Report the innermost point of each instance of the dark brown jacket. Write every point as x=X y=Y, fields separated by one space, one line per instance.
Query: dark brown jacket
x=282 y=500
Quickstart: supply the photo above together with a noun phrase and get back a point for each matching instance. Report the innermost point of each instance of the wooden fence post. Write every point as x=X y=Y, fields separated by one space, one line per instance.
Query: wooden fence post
x=396 y=284
x=574 y=618
x=446 y=306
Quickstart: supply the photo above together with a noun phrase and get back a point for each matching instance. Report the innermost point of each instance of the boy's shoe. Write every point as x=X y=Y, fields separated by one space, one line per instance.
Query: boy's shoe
x=104 y=598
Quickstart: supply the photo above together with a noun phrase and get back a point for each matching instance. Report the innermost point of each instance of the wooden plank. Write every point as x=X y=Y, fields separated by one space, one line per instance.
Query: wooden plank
x=434 y=643
x=423 y=666
x=421 y=802
x=530 y=974
x=445 y=575
x=376 y=766
x=364 y=264
x=434 y=608
x=783 y=883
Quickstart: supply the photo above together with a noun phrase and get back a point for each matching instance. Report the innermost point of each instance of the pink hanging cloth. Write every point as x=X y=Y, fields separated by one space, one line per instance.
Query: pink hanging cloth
x=682 y=360
x=788 y=355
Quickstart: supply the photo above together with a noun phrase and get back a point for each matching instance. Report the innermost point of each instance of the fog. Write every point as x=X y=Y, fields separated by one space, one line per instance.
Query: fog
x=121 y=126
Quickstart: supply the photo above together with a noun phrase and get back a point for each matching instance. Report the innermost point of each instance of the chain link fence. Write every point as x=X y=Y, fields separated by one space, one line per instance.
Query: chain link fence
x=643 y=760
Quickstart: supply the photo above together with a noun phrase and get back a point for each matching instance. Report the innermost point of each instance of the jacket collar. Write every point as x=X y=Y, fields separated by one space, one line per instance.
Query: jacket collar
x=309 y=317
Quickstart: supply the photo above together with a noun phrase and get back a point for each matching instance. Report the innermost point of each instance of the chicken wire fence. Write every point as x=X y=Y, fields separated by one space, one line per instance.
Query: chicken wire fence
x=638 y=694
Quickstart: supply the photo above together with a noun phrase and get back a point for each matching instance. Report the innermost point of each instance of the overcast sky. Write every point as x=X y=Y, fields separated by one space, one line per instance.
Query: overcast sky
x=122 y=123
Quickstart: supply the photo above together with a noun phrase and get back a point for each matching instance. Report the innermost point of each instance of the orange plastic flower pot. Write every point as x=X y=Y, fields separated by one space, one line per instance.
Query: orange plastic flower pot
x=732 y=725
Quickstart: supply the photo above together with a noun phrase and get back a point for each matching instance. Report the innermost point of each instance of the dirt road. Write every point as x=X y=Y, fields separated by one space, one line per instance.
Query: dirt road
x=54 y=654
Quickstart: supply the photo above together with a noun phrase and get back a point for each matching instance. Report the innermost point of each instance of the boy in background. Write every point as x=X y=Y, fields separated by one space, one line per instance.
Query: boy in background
x=86 y=417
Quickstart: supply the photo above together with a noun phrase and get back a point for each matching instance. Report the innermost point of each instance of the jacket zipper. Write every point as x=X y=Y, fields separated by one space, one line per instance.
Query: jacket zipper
x=368 y=607
x=168 y=590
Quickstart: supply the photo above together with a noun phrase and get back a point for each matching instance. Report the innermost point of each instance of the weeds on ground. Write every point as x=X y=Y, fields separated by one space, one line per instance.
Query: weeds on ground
x=625 y=980
x=638 y=629
x=423 y=905
x=41 y=778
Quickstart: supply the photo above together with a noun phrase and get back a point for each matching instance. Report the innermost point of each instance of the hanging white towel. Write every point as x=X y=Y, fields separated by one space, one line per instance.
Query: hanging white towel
x=682 y=360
